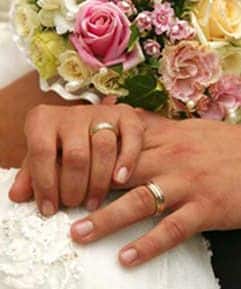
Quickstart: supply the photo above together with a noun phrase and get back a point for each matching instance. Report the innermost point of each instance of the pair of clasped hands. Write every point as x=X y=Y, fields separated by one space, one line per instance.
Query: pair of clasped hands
x=196 y=163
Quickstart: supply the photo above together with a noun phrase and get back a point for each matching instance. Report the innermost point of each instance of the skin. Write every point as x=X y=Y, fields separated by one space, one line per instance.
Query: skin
x=197 y=165
x=16 y=102
x=195 y=162
x=85 y=164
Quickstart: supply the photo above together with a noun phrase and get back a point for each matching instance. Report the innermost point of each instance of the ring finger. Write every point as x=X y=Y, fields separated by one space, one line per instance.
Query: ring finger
x=134 y=206
x=104 y=154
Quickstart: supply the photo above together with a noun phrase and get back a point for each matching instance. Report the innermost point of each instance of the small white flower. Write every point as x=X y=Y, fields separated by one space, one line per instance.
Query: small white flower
x=59 y=14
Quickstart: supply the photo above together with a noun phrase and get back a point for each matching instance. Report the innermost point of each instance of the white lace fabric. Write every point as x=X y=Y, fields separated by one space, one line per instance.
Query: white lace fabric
x=38 y=253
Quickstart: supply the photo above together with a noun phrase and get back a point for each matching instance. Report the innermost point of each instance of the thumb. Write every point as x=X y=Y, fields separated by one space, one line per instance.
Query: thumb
x=21 y=190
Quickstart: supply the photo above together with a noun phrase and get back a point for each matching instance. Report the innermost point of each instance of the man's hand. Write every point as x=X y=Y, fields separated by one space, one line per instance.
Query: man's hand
x=197 y=164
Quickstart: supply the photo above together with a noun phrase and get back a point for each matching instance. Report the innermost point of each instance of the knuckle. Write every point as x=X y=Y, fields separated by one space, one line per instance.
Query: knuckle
x=76 y=158
x=180 y=149
x=175 y=230
x=138 y=128
x=37 y=112
x=35 y=117
x=144 y=201
x=124 y=107
x=46 y=186
x=105 y=144
x=149 y=247
x=41 y=150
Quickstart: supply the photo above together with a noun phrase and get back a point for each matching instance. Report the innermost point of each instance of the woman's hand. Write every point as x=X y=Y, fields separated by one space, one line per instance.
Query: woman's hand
x=89 y=163
x=197 y=164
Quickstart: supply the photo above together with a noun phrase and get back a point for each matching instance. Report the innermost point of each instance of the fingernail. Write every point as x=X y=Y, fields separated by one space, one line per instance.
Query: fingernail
x=47 y=208
x=129 y=256
x=83 y=228
x=122 y=175
x=92 y=204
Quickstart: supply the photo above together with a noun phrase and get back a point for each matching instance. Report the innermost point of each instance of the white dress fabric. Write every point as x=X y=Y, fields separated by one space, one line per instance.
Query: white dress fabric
x=37 y=253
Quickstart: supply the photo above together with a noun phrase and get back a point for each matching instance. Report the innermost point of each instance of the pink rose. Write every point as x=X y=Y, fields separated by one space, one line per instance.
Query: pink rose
x=102 y=33
x=188 y=69
x=225 y=96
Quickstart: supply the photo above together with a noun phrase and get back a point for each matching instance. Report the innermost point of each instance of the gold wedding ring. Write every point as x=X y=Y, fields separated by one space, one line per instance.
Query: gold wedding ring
x=103 y=126
x=159 y=197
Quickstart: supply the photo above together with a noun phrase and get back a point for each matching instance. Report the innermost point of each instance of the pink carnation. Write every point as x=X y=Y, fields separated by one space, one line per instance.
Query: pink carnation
x=162 y=17
x=152 y=48
x=225 y=95
x=181 y=30
x=144 y=21
x=188 y=69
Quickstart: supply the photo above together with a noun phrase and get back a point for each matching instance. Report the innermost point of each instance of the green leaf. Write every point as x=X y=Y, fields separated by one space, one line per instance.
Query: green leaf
x=117 y=68
x=135 y=35
x=142 y=5
x=143 y=92
x=140 y=84
x=154 y=63
x=179 y=6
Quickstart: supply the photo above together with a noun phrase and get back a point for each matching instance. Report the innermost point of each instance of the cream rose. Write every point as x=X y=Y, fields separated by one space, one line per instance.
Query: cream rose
x=230 y=57
x=26 y=20
x=218 y=19
x=73 y=69
x=108 y=82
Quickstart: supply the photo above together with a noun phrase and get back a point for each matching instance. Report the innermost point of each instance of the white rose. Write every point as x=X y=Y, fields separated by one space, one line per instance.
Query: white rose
x=26 y=20
x=108 y=82
x=72 y=69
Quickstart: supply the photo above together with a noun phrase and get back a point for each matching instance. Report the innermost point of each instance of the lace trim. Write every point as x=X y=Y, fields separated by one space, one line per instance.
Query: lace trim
x=38 y=252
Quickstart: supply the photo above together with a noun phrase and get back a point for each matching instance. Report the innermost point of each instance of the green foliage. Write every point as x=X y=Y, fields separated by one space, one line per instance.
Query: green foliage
x=117 y=68
x=153 y=62
x=143 y=92
x=179 y=7
x=135 y=35
x=142 y=5
x=33 y=2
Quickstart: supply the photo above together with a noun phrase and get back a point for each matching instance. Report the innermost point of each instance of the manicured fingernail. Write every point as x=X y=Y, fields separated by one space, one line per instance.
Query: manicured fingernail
x=92 y=204
x=122 y=175
x=47 y=208
x=129 y=256
x=84 y=228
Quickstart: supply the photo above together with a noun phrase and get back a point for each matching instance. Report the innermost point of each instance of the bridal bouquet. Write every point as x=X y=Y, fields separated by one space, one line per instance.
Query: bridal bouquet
x=179 y=57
